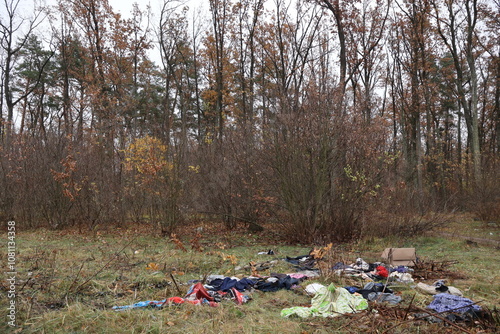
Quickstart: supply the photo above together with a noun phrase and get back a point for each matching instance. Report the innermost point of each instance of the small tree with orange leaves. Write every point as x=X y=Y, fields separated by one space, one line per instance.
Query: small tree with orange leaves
x=154 y=189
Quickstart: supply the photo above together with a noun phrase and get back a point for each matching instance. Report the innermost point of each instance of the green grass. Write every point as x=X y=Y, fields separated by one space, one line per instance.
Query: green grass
x=467 y=225
x=67 y=282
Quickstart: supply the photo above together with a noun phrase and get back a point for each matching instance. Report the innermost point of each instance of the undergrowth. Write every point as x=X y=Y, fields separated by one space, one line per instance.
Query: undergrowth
x=67 y=282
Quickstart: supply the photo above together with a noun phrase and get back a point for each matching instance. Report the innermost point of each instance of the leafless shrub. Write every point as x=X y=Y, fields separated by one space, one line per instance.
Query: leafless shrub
x=485 y=202
x=400 y=213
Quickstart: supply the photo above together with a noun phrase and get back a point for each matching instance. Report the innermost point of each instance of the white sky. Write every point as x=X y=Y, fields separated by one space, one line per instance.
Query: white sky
x=125 y=6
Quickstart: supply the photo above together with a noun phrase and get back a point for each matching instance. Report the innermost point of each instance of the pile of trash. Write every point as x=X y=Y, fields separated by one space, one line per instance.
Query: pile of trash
x=219 y=287
x=377 y=282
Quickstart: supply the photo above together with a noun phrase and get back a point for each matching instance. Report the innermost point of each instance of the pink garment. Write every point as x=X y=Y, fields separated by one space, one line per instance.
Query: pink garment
x=298 y=276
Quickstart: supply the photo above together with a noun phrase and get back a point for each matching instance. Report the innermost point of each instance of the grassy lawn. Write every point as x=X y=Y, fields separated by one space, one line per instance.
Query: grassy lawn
x=68 y=281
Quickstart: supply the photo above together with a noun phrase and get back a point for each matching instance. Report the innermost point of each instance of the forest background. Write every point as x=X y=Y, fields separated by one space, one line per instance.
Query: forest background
x=331 y=119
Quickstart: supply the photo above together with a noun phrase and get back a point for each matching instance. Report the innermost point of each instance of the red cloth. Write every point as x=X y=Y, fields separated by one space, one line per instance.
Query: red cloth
x=238 y=296
x=201 y=296
x=381 y=271
x=200 y=292
x=175 y=300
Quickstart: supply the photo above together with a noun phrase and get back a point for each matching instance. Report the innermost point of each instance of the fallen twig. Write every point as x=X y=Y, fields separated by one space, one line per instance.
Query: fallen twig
x=409 y=306
x=173 y=279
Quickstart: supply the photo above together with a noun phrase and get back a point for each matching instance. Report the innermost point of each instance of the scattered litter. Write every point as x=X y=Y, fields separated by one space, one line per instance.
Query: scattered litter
x=401 y=277
x=384 y=297
x=213 y=277
x=197 y=295
x=381 y=271
x=304 y=274
x=313 y=288
x=147 y=303
x=309 y=273
x=303 y=262
x=227 y=283
x=380 y=287
x=284 y=282
x=361 y=265
x=341 y=266
x=376 y=292
x=274 y=282
x=444 y=302
x=401 y=269
x=329 y=301
x=436 y=288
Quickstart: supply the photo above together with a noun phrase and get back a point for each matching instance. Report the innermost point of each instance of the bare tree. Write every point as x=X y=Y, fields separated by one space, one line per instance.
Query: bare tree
x=15 y=32
x=459 y=27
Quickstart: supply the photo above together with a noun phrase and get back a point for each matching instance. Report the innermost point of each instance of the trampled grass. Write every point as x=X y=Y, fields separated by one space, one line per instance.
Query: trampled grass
x=67 y=282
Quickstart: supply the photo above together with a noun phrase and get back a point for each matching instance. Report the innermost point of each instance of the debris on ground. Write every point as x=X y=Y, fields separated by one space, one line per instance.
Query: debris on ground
x=376 y=286
x=329 y=301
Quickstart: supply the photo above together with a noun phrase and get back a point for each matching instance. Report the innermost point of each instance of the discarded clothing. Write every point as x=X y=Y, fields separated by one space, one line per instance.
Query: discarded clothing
x=381 y=271
x=329 y=302
x=426 y=288
x=238 y=297
x=444 y=302
x=454 y=291
x=438 y=287
x=341 y=266
x=352 y=289
x=373 y=287
x=401 y=277
x=314 y=288
x=164 y=302
x=298 y=259
x=308 y=273
x=377 y=292
x=361 y=265
x=197 y=295
x=210 y=278
x=198 y=292
x=279 y=275
x=147 y=303
x=228 y=283
x=304 y=274
x=272 y=283
x=282 y=283
x=384 y=297
x=400 y=269
x=303 y=262
x=300 y=277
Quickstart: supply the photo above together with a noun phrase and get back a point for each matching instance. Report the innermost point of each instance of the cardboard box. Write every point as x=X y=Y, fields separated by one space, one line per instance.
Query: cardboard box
x=400 y=256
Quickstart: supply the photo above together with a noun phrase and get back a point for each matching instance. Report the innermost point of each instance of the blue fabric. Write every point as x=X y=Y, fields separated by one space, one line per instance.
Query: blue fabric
x=444 y=302
x=283 y=283
x=227 y=284
x=400 y=269
x=147 y=303
x=341 y=266
x=351 y=289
